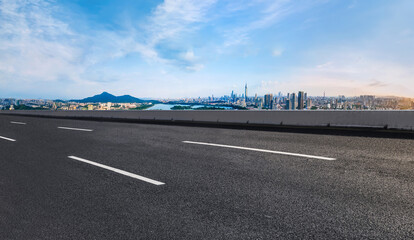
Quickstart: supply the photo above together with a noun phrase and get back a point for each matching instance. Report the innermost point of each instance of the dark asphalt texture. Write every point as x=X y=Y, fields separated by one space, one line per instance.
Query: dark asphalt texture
x=209 y=192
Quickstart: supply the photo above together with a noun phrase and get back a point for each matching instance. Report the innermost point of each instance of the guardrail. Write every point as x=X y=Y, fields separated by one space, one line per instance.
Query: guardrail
x=401 y=120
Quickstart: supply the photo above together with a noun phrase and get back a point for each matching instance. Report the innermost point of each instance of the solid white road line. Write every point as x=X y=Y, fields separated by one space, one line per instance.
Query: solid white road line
x=76 y=129
x=8 y=139
x=21 y=123
x=118 y=171
x=263 y=150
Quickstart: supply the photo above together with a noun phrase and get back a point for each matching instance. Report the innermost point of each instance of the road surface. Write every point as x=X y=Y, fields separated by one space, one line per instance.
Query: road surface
x=70 y=179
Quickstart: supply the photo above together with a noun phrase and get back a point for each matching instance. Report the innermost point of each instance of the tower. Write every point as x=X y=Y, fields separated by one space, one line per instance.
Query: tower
x=245 y=92
x=301 y=100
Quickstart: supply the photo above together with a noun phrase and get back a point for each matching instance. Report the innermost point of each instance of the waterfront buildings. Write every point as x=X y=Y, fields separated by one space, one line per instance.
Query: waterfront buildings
x=268 y=100
x=289 y=101
x=301 y=100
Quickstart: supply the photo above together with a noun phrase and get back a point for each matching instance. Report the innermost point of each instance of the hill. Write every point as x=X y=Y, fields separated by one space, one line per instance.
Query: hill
x=107 y=97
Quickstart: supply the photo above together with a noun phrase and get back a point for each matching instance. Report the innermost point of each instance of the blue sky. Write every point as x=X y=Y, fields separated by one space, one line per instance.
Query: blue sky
x=189 y=48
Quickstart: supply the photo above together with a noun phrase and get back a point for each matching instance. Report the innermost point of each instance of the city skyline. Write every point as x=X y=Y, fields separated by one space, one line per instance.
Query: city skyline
x=234 y=93
x=186 y=48
x=299 y=100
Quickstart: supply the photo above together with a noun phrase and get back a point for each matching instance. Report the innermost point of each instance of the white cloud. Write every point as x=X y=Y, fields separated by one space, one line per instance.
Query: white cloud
x=174 y=17
x=37 y=47
x=195 y=67
x=350 y=72
x=34 y=44
x=167 y=23
x=188 y=56
x=270 y=12
x=277 y=52
x=324 y=65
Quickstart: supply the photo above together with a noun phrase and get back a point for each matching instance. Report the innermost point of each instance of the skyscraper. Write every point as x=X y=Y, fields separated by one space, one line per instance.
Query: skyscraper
x=309 y=104
x=301 y=100
x=293 y=101
x=268 y=100
x=245 y=92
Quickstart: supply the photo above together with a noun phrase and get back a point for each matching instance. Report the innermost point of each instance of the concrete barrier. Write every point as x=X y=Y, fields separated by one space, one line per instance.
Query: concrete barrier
x=402 y=120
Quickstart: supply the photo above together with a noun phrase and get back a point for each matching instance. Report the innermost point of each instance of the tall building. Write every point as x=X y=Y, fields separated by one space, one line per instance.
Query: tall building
x=274 y=103
x=245 y=92
x=309 y=104
x=293 y=101
x=301 y=100
x=268 y=100
x=367 y=100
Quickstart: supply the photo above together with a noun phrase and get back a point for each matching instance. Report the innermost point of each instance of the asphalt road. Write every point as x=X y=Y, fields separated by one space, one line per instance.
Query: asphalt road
x=222 y=184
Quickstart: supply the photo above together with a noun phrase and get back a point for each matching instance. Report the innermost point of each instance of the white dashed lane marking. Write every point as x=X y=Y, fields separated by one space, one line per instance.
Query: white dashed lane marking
x=148 y=180
x=263 y=150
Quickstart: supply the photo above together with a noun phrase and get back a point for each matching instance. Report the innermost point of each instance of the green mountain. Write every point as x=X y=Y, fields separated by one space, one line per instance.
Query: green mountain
x=107 y=97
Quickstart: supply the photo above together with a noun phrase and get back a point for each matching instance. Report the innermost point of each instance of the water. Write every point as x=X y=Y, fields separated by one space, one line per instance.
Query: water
x=169 y=106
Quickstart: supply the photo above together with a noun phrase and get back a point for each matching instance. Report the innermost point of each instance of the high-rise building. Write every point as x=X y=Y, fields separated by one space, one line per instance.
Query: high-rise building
x=293 y=101
x=274 y=103
x=308 y=104
x=288 y=104
x=268 y=100
x=367 y=100
x=245 y=92
x=301 y=100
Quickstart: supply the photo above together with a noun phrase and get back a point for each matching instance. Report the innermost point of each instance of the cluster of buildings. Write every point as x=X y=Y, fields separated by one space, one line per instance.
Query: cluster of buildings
x=291 y=101
x=302 y=101
x=40 y=104
x=279 y=101
x=97 y=106
x=11 y=103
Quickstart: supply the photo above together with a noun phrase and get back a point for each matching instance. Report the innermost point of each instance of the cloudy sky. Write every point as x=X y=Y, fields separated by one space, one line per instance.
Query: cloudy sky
x=189 y=48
